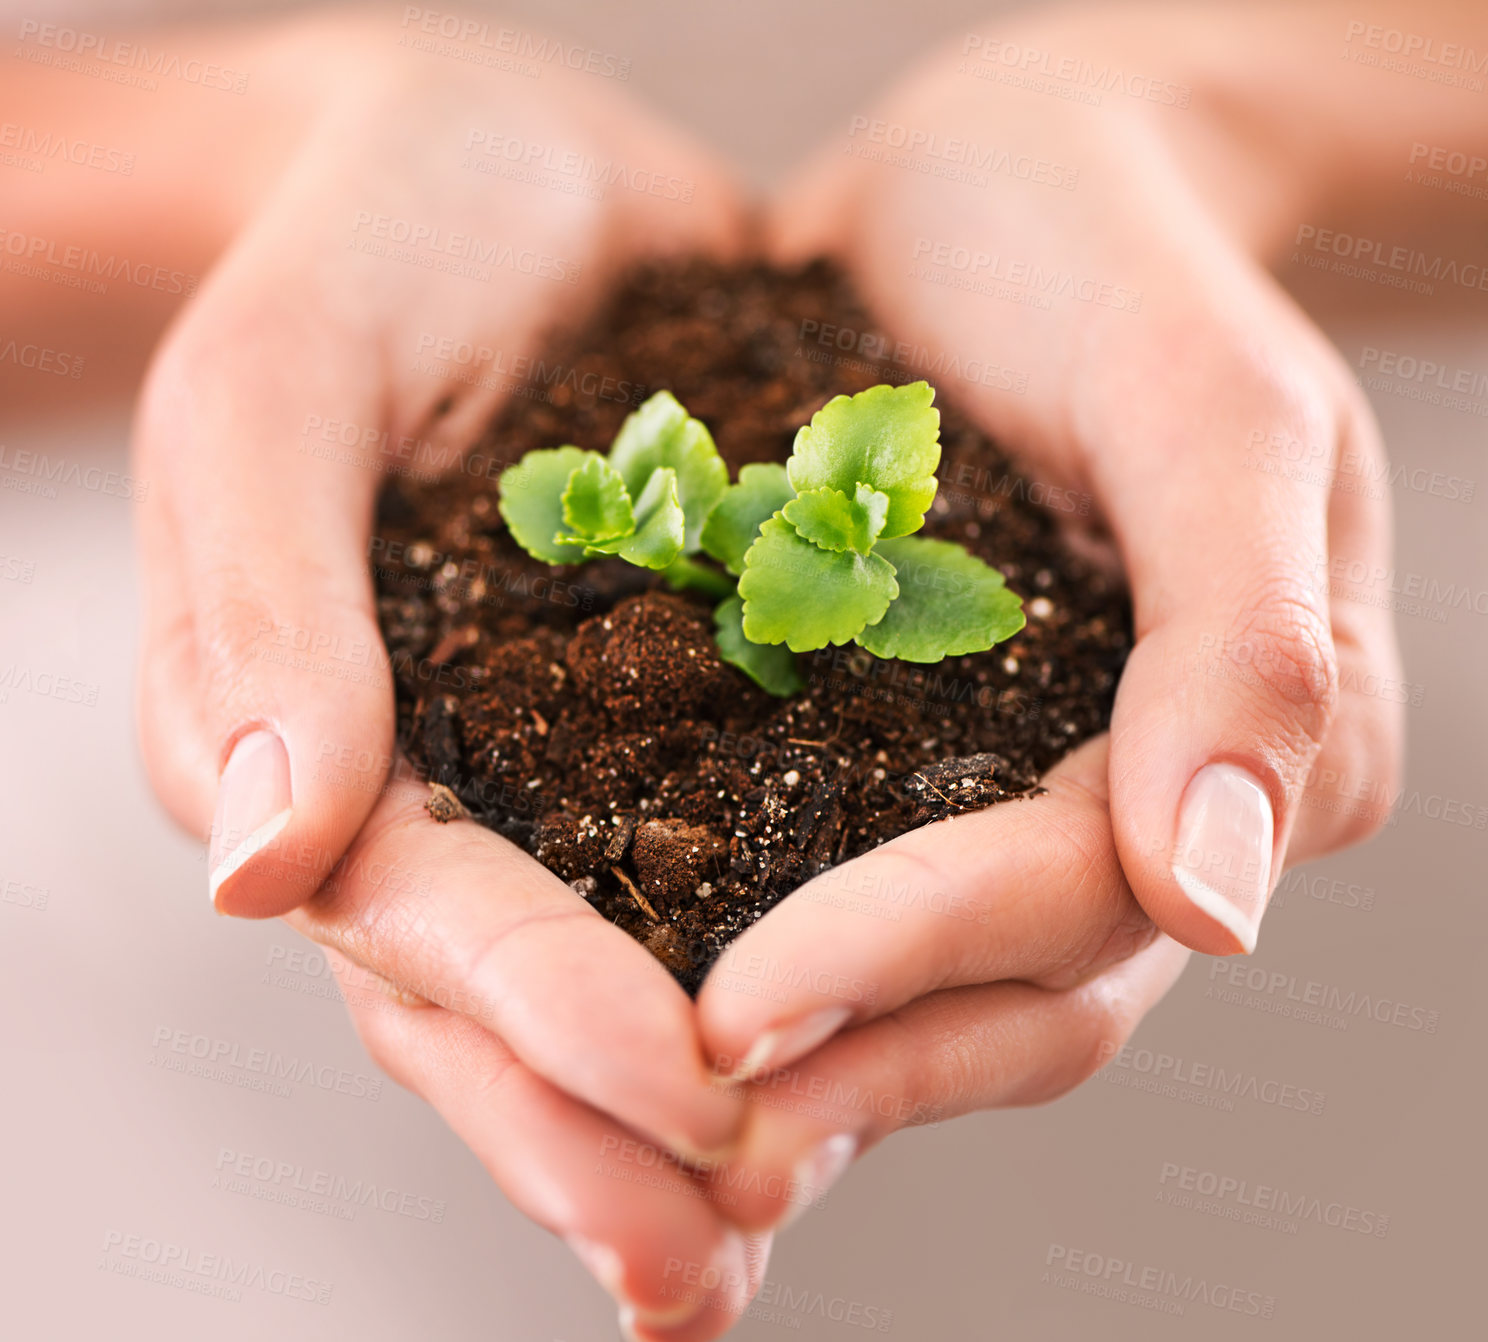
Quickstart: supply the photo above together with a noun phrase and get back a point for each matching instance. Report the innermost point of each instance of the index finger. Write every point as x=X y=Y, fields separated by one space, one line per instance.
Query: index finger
x=1023 y=890
x=462 y=918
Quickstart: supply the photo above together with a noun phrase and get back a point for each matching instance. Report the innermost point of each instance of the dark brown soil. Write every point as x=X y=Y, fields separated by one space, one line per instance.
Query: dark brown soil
x=584 y=713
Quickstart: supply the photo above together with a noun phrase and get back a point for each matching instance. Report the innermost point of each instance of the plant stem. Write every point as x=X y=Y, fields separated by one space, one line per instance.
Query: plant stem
x=683 y=573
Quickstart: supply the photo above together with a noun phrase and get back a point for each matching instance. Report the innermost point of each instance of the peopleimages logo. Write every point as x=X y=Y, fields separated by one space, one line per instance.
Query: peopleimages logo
x=256 y=1068
x=1371 y=252
x=513 y=43
x=914 y=145
x=1416 y=46
x=845 y=344
x=41 y=145
x=520 y=159
x=460 y=254
x=999 y=57
x=1265 y=1205
x=1169 y=1075
x=68 y=48
x=48 y=471
x=46 y=685
x=1113 y=1274
x=1285 y=990
x=214 y=1274
x=41 y=359
x=990 y=273
x=85 y=268
x=284 y=1181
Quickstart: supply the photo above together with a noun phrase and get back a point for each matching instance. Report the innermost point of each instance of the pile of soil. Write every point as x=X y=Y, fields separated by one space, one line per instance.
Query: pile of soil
x=584 y=712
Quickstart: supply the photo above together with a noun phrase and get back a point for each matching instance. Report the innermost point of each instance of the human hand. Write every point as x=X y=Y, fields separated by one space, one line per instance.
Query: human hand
x=267 y=718
x=1159 y=377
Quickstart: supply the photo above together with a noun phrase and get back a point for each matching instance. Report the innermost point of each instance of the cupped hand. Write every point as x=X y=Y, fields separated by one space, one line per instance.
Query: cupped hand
x=552 y=1045
x=1140 y=356
x=275 y=406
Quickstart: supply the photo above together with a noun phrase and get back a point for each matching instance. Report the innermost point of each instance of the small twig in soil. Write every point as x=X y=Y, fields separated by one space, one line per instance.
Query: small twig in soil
x=457 y=640
x=634 y=891
x=957 y=805
x=443 y=806
x=621 y=839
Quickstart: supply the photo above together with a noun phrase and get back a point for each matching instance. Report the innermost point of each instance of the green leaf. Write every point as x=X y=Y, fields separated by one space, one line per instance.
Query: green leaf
x=949 y=603
x=805 y=597
x=596 y=504
x=773 y=669
x=657 y=539
x=660 y=433
x=532 y=501
x=829 y=518
x=887 y=437
x=732 y=526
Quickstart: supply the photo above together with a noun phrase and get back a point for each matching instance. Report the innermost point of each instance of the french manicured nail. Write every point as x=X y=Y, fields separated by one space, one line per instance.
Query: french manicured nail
x=783 y=1045
x=726 y=1282
x=603 y=1262
x=817 y=1172
x=1223 y=861
x=607 y=1268
x=632 y=1320
x=253 y=806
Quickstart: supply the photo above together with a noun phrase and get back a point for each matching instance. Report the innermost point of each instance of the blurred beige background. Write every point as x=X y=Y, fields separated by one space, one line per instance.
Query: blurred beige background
x=969 y=1230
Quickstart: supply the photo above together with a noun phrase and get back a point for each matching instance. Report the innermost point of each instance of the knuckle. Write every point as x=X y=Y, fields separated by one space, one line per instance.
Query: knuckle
x=1352 y=788
x=251 y=640
x=186 y=361
x=1358 y=426
x=1283 y=643
x=379 y=1044
x=229 y=626
x=230 y=619
x=1381 y=750
x=1106 y=1026
x=377 y=1030
x=198 y=370
x=489 y=961
x=1100 y=1033
x=1113 y=939
x=392 y=934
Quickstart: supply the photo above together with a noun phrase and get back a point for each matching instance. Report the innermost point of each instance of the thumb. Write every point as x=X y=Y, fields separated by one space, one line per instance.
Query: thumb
x=1229 y=703
x=265 y=703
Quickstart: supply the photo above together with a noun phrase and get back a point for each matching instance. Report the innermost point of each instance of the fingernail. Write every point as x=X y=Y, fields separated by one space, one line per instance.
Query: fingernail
x=726 y=1282
x=632 y=1320
x=1223 y=861
x=604 y=1264
x=778 y=1047
x=608 y=1269
x=253 y=806
x=817 y=1172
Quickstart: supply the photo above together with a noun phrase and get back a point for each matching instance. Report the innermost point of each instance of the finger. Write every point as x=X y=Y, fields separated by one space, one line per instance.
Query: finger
x=1029 y=889
x=952 y=1052
x=1232 y=690
x=1157 y=399
x=268 y=416
x=260 y=660
x=466 y=920
x=1353 y=784
x=691 y=203
x=651 y=1242
x=805 y=221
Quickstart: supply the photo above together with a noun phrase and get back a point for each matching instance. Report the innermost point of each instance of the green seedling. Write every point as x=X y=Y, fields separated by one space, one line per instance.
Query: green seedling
x=822 y=548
